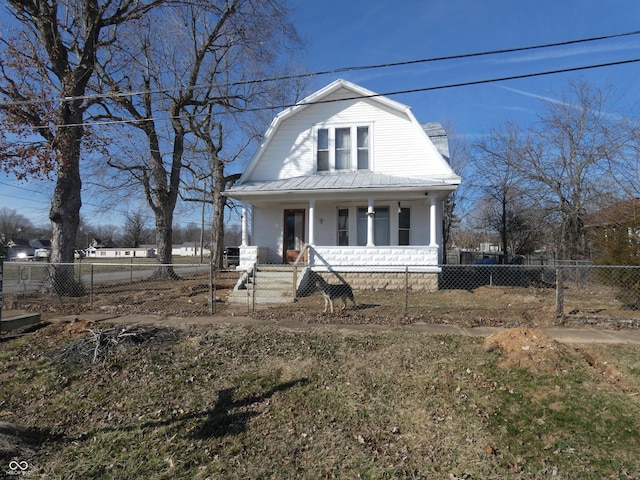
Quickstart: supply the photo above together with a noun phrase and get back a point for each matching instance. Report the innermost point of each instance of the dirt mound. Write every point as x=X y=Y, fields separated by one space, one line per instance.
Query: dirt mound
x=528 y=348
x=65 y=329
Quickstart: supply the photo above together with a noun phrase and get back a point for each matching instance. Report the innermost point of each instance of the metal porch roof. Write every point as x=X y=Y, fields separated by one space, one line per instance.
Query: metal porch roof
x=340 y=181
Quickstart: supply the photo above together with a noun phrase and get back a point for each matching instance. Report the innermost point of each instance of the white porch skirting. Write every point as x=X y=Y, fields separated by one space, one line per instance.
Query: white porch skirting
x=356 y=259
x=375 y=259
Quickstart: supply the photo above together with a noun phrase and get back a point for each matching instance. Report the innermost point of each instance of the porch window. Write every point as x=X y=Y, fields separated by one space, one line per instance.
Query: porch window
x=343 y=227
x=343 y=148
x=404 y=226
x=381 y=230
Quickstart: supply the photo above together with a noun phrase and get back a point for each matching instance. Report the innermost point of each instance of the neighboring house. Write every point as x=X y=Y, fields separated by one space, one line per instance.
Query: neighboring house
x=189 y=249
x=19 y=249
x=141 y=252
x=617 y=222
x=42 y=248
x=625 y=212
x=98 y=243
x=346 y=180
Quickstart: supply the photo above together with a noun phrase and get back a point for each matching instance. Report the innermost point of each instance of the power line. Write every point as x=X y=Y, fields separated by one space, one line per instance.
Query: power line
x=354 y=68
x=373 y=95
x=480 y=82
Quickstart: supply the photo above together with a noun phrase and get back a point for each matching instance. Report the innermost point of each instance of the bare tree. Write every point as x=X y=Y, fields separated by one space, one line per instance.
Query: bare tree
x=498 y=180
x=45 y=70
x=563 y=167
x=13 y=224
x=176 y=89
x=133 y=230
x=456 y=202
x=572 y=157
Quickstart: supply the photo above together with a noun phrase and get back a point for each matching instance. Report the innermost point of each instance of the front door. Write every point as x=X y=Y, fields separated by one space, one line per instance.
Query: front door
x=293 y=234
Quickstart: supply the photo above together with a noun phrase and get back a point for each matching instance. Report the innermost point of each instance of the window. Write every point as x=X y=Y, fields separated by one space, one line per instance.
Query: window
x=323 y=149
x=404 y=226
x=343 y=227
x=344 y=148
x=380 y=226
x=363 y=148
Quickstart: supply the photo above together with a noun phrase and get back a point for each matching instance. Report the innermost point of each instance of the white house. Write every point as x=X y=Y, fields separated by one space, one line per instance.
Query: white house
x=121 y=253
x=190 y=249
x=346 y=180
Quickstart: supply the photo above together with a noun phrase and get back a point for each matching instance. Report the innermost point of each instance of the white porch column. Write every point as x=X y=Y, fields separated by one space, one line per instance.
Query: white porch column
x=370 y=228
x=245 y=234
x=312 y=221
x=433 y=238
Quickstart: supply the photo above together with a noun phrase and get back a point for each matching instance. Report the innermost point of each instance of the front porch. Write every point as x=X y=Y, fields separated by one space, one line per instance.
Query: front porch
x=362 y=268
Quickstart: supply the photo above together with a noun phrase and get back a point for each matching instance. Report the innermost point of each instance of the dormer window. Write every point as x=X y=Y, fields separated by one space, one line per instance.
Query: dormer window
x=342 y=148
x=323 y=149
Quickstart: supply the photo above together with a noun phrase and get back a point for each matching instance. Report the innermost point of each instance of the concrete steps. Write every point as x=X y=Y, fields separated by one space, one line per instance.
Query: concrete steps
x=270 y=284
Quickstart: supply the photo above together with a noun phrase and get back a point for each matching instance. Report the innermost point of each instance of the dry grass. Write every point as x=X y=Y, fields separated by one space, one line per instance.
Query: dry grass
x=265 y=402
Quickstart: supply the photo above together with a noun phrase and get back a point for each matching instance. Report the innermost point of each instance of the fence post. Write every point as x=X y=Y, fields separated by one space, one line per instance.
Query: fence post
x=253 y=288
x=559 y=291
x=295 y=282
x=212 y=298
x=215 y=289
x=91 y=286
x=406 y=290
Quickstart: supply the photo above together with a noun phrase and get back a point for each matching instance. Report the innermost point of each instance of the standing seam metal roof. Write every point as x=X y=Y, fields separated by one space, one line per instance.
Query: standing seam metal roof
x=339 y=181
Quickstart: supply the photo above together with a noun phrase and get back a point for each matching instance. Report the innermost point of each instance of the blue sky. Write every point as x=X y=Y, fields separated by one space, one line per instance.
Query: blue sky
x=392 y=31
x=349 y=33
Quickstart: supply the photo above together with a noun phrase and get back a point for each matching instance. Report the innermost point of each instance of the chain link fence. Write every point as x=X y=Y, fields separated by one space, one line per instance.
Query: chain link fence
x=465 y=295
x=116 y=288
x=473 y=295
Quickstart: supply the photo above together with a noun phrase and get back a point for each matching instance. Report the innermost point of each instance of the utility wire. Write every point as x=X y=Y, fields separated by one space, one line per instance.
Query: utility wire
x=335 y=70
x=373 y=95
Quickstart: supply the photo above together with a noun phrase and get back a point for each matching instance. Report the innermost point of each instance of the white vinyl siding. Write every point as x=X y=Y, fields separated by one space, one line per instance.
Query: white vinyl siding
x=396 y=145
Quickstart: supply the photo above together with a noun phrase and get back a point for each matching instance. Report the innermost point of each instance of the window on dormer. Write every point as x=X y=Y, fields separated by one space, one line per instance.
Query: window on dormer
x=363 y=148
x=342 y=148
x=323 y=149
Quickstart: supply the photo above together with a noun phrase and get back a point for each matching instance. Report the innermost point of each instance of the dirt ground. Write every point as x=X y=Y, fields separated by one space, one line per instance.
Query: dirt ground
x=522 y=344
x=537 y=352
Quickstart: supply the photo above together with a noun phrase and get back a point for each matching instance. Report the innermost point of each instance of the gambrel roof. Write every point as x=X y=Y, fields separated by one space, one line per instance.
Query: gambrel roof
x=257 y=180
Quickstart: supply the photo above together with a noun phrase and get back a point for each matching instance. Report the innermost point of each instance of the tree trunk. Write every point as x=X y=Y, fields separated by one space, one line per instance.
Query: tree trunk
x=65 y=214
x=219 y=202
x=164 y=244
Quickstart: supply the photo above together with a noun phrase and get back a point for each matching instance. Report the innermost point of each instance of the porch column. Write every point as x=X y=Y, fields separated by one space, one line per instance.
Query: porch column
x=245 y=234
x=370 y=229
x=433 y=238
x=312 y=239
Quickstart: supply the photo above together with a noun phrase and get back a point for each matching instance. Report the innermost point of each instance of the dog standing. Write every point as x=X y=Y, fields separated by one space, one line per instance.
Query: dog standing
x=331 y=292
